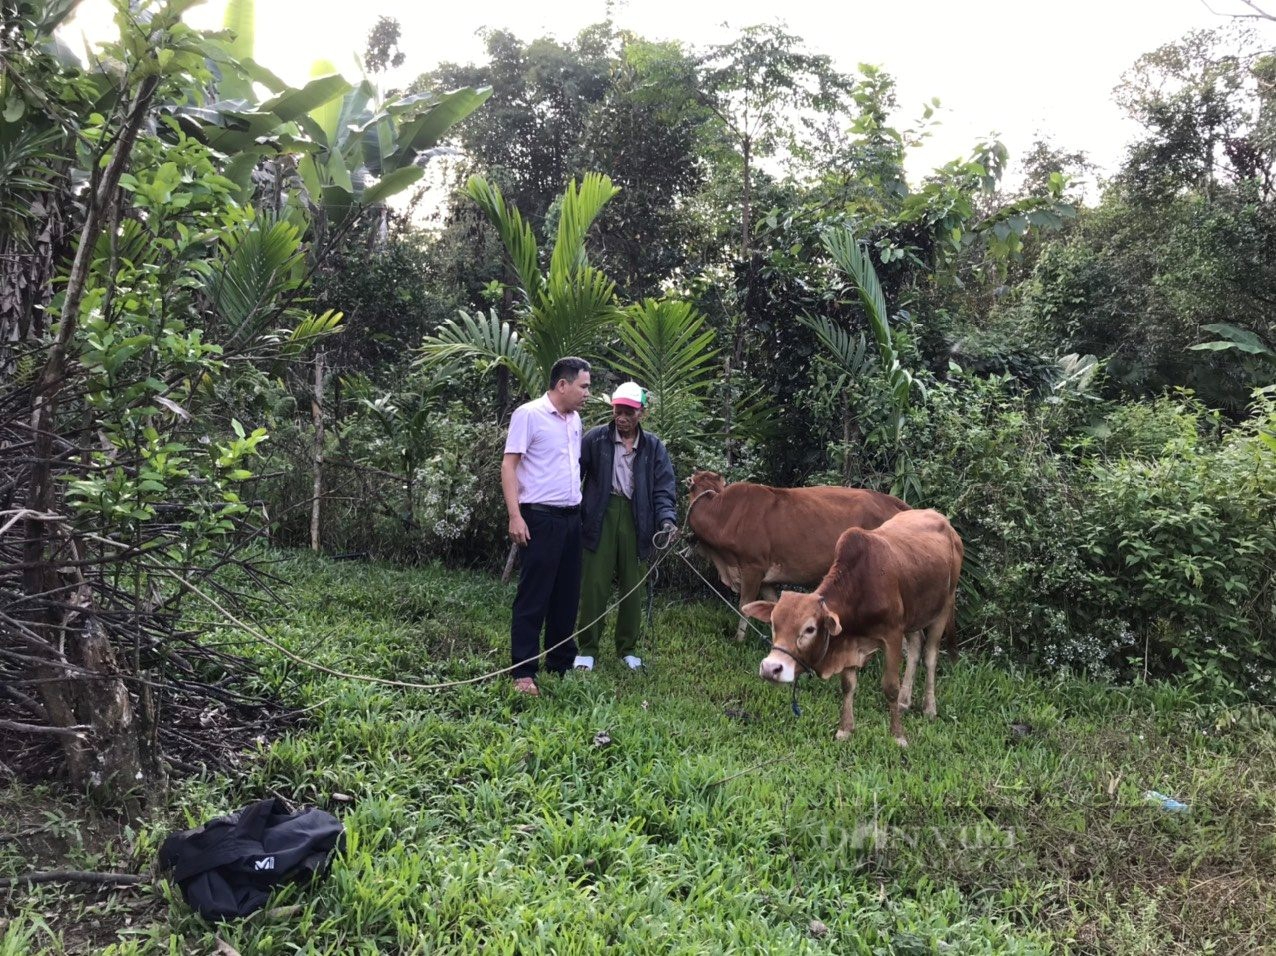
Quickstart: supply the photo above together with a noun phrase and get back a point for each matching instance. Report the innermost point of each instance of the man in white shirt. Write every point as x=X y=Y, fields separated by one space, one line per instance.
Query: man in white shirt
x=540 y=477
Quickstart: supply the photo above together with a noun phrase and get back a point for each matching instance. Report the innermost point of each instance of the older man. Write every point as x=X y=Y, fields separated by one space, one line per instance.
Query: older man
x=629 y=493
x=540 y=477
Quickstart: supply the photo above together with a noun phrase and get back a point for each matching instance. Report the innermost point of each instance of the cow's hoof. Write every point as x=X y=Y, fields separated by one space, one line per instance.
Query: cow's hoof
x=903 y=742
x=843 y=734
x=905 y=704
x=932 y=711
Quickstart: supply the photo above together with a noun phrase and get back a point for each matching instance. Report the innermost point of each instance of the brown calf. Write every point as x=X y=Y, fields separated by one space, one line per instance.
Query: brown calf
x=896 y=580
x=759 y=537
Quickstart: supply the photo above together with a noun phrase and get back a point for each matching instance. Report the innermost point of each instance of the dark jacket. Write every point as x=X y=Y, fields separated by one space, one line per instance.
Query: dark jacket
x=229 y=866
x=655 y=491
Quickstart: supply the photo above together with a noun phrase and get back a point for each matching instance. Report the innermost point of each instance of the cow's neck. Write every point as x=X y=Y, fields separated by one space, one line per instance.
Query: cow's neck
x=704 y=505
x=840 y=587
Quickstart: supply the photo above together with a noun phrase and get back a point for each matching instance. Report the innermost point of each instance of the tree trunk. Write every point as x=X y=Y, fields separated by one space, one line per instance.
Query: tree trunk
x=26 y=279
x=735 y=360
x=732 y=369
x=849 y=433
x=117 y=760
x=745 y=210
x=114 y=758
x=316 y=414
x=503 y=409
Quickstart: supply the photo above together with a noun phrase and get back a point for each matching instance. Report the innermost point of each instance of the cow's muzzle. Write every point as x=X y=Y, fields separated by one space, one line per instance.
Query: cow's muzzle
x=776 y=670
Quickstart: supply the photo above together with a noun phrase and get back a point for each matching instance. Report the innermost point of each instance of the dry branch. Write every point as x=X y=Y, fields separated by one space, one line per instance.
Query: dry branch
x=73 y=876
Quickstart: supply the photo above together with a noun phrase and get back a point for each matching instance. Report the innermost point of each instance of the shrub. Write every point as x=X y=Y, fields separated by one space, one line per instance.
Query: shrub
x=986 y=456
x=443 y=501
x=1183 y=544
x=1145 y=552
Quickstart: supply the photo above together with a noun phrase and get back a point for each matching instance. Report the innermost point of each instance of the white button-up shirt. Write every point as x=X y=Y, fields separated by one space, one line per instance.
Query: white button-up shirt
x=549 y=443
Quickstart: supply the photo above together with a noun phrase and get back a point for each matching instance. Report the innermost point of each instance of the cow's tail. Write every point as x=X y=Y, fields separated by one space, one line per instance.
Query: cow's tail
x=950 y=629
x=950 y=633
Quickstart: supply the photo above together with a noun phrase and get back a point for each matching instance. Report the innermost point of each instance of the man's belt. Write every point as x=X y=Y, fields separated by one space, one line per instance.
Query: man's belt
x=553 y=509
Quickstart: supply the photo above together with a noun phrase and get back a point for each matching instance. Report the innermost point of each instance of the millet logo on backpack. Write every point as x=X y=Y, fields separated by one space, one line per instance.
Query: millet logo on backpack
x=265 y=863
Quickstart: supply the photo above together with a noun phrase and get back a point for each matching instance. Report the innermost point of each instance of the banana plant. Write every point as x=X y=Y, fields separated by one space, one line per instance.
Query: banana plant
x=1237 y=339
x=352 y=149
x=368 y=150
x=565 y=310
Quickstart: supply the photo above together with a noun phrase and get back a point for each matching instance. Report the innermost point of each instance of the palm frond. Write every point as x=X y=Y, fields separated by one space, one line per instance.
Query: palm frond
x=581 y=206
x=485 y=341
x=847 y=354
x=668 y=347
x=26 y=169
x=311 y=329
x=257 y=264
x=516 y=235
x=849 y=255
x=752 y=414
x=570 y=322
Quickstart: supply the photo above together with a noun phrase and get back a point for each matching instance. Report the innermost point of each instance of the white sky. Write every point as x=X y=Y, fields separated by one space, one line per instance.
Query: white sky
x=1018 y=68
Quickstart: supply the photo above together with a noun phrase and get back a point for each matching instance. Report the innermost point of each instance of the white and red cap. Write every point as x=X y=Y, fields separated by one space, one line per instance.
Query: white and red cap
x=631 y=394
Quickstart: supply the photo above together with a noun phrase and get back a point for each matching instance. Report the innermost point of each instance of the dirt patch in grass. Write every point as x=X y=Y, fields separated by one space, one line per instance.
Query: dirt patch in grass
x=46 y=831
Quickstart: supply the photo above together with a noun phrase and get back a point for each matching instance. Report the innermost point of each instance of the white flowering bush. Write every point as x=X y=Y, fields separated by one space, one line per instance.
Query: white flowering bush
x=405 y=478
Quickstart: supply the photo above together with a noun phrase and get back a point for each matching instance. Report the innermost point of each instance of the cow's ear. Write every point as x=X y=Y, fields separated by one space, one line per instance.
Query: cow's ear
x=759 y=610
x=834 y=624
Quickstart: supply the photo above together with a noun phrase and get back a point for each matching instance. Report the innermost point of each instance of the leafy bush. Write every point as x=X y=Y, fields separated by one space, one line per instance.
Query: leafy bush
x=987 y=457
x=406 y=481
x=1182 y=544
x=1144 y=553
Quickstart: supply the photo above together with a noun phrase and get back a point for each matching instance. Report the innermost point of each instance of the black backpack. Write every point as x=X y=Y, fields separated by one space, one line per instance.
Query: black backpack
x=228 y=866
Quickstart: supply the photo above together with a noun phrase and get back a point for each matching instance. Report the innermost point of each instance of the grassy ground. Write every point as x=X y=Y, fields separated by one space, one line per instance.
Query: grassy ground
x=685 y=808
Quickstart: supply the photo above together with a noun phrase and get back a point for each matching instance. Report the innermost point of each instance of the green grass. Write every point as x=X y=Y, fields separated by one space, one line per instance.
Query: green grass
x=714 y=820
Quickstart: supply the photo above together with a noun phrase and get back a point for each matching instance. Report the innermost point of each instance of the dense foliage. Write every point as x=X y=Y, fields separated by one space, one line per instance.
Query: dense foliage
x=1080 y=387
x=156 y=296
x=1045 y=372
x=218 y=333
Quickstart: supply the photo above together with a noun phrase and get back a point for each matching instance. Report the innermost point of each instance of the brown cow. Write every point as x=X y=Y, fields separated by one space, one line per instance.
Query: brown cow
x=758 y=536
x=895 y=580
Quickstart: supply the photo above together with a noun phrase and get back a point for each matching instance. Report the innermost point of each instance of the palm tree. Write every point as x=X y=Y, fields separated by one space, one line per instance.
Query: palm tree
x=846 y=251
x=565 y=310
x=668 y=347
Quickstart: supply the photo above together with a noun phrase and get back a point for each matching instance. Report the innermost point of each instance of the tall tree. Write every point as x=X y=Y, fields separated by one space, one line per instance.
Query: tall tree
x=382 y=51
x=605 y=100
x=37 y=130
x=1197 y=99
x=1185 y=237
x=766 y=89
x=123 y=458
x=542 y=93
x=651 y=133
